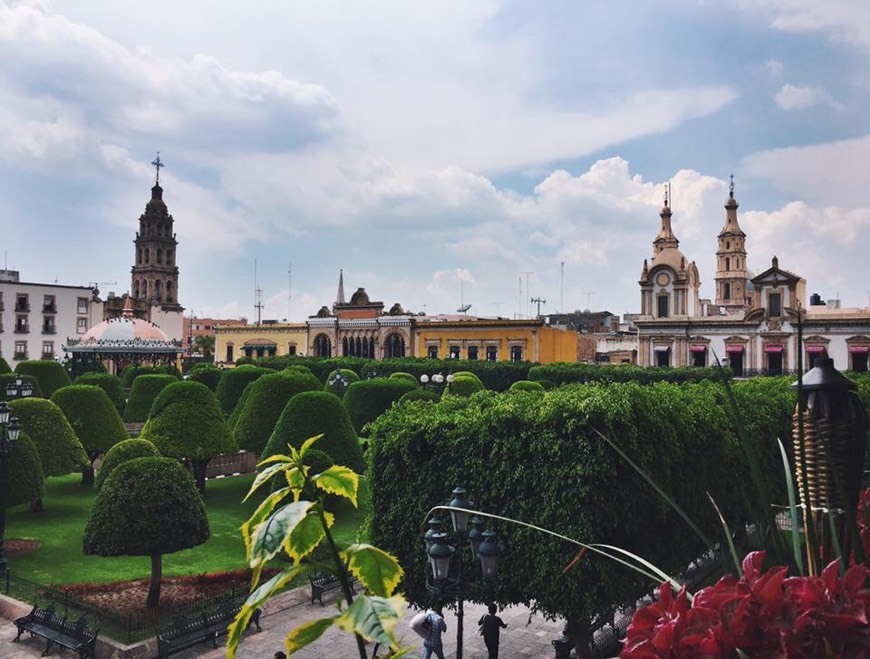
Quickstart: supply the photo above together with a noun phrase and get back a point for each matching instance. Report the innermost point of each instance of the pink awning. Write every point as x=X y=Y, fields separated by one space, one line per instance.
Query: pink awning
x=815 y=349
x=859 y=349
x=698 y=348
x=772 y=348
x=733 y=348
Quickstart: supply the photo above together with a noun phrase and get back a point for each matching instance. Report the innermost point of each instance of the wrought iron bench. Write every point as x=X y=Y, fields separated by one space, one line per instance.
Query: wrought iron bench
x=79 y=635
x=186 y=632
x=322 y=582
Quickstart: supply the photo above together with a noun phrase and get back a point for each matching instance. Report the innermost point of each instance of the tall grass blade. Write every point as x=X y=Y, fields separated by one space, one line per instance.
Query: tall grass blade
x=728 y=537
x=792 y=511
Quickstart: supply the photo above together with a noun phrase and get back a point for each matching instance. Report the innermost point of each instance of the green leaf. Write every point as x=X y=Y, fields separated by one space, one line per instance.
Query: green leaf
x=792 y=510
x=379 y=571
x=264 y=477
x=260 y=514
x=307 y=444
x=278 y=457
x=271 y=534
x=373 y=618
x=305 y=537
x=339 y=480
x=307 y=633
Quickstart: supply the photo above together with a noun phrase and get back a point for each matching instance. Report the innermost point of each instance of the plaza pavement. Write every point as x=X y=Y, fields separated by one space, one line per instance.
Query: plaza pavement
x=526 y=637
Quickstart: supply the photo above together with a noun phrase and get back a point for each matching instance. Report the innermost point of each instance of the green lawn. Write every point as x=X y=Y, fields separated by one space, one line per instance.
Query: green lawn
x=59 y=558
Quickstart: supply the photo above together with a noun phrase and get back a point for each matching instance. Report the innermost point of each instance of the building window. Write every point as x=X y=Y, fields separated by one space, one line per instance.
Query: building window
x=473 y=352
x=726 y=291
x=20 y=350
x=2 y=306
x=454 y=352
x=81 y=325
x=492 y=353
x=663 y=356
x=774 y=302
x=662 y=301
x=291 y=349
x=22 y=304
x=394 y=346
x=48 y=304
x=432 y=352
x=727 y=263
x=516 y=353
x=229 y=358
x=699 y=357
x=321 y=346
x=48 y=349
x=21 y=325
x=48 y=326
x=82 y=305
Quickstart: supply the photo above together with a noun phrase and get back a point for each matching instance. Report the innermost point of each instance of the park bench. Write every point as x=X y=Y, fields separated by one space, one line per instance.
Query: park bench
x=322 y=582
x=185 y=632
x=76 y=635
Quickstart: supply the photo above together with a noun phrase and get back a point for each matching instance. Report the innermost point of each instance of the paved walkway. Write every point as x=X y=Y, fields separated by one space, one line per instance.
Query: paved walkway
x=526 y=637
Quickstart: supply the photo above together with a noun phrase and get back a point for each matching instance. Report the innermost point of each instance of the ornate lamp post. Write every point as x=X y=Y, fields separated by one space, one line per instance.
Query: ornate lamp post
x=18 y=388
x=448 y=579
x=9 y=429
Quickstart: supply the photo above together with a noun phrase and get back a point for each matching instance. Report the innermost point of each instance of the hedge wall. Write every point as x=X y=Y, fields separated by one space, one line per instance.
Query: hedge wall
x=120 y=453
x=109 y=383
x=560 y=374
x=264 y=400
x=233 y=383
x=92 y=416
x=366 y=400
x=60 y=451
x=50 y=374
x=538 y=459
x=146 y=388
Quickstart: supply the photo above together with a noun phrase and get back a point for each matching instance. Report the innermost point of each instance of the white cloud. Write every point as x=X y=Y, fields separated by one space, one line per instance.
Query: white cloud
x=791 y=97
x=842 y=20
x=774 y=67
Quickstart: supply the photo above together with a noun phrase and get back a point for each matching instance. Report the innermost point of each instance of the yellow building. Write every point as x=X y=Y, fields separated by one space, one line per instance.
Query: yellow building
x=268 y=339
x=461 y=337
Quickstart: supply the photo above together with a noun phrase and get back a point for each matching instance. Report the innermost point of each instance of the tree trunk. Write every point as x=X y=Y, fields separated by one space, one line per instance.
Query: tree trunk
x=36 y=505
x=197 y=468
x=156 y=578
x=578 y=631
x=87 y=475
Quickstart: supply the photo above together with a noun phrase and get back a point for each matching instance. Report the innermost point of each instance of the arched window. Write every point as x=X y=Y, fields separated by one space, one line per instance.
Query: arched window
x=159 y=256
x=727 y=263
x=136 y=289
x=726 y=291
x=372 y=347
x=158 y=291
x=321 y=346
x=170 y=257
x=139 y=256
x=169 y=294
x=394 y=346
x=345 y=348
x=147 y=255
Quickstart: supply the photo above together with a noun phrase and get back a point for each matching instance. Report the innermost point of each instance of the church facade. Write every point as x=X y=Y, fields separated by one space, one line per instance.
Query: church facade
x=751 y=325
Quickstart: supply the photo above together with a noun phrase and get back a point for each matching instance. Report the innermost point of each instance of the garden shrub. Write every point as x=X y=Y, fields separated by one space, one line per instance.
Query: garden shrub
x=209 y=375
x=187 y=423
x=264 y=400
x=407 y=377
x=366 y=400
x=233 y=383
x=121 y=452
x=94 y=419
x=527 y=385
x=109 y=383
x=4 y=366
x=146 y=388
x=50 y=374
x=21 y=474
x=463 y=385
x=571 y=373
x=420 y=394
x=60 y=451
x=133 y=371
x=339 y=380
x=6 y=378
x=311 y=413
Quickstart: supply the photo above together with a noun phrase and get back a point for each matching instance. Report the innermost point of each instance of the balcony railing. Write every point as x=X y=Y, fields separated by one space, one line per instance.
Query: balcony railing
x=18 y=356
x=49 y=330
x=22 y=308
x=49 y=308
x=22 y=329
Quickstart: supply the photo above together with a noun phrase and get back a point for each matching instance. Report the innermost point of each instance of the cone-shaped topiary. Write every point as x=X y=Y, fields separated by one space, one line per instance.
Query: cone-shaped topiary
x=50 y=374
x=129 y=374
x=109 y=383
x=21 y=474
x=6 y=378
x=146 y=388
x=94 y=420
x=187 y=423
x=527 y=385
x=233 y=419
x=146 y=507
x=264 y=399
x=366 y=400
x=339 y=380
x=233 y=383
x=120 y=453
x=209 y=375
x=4 y=366
x=420 y=394
x=312 y=413
x=60 y=451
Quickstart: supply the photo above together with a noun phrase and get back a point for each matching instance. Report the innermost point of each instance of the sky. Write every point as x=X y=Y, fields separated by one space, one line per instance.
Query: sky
x=439 y=153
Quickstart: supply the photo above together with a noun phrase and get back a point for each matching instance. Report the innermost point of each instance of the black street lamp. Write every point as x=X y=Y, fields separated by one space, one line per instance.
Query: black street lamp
x=437 y=381
x=448 y=580
x=18 y=388
x=9 y=429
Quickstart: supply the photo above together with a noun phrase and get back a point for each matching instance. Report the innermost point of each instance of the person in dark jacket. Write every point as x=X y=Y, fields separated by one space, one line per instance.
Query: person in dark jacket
x=491 y=626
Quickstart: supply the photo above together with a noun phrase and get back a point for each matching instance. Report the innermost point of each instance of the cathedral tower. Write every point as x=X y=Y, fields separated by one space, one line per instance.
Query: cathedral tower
x=731 y=274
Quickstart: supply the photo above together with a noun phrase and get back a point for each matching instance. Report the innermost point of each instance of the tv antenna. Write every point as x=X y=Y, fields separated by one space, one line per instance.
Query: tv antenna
x=589 y=295
x=526 y=273
x=463 y=308
x=539 y=301
x=258 y=296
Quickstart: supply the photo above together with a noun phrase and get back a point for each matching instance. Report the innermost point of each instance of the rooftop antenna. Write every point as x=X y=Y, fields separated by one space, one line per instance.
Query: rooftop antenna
x=157 y=164
x=589 y=295
x=562 y=287
x=527 y=273
x=258 y=296
x=463 y=308
x=539 y=301
x=497 y=306
x=289 y=288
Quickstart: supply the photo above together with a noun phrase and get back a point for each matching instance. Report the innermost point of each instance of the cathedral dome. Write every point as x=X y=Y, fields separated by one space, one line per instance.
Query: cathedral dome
x=117 y=330
x=670 y=257
x=360 y=297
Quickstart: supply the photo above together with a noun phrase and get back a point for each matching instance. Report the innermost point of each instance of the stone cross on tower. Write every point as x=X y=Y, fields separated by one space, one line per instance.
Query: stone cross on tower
x=157 y=164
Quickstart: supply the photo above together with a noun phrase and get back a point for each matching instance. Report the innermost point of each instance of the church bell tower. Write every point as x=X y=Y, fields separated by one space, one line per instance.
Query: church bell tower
x=731 y=274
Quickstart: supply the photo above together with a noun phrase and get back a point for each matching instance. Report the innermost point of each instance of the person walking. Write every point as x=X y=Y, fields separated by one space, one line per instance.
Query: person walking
x=437 y=626
x=491 y=626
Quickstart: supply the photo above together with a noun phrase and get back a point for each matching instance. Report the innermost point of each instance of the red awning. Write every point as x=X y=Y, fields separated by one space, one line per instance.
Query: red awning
x=733 y=348
x=698 y=348
x=860 y=349
x=772 y=348
x=816 y=349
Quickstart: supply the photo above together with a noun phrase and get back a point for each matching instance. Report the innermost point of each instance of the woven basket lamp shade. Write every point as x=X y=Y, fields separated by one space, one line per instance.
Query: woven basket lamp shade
x=833 y=443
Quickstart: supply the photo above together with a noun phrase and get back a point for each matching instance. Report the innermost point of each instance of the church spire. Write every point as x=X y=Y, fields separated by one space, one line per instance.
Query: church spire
x=732 y=276
x=731 y=226
x=666 y=237
x=340 y=297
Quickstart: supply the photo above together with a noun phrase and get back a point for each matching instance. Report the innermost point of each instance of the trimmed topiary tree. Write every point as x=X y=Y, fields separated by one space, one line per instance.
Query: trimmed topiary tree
x=209 y=375
x=4 y=366
x=407 y=377
x=6 y=378
x=527 y=385
x=146 y=388
x=311 y=413
x=464 y=384
x=94 y=419
x=420 y=394
x=60 y=451
x=22 y=478
x=233 y=383
x=264 y=399
x=187 y=423
x=366 y=400
x=129 y=374
x=120 y=453
x=146 y=507
x=109 y=383
x=339 y=380
x=50 y=374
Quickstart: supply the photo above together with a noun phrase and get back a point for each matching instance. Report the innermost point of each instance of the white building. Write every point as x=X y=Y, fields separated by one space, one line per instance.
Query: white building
x=36 y=319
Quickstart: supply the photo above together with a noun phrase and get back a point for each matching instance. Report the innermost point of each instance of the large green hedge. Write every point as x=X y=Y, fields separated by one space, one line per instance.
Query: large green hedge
x=538 y=458
x=4 y=366
x=464 y=384
x=311 y=413
x=21 y=474
x=581 y=373
x=264 y=400
x=209 y=375
x=109 y=383
x=146 y=388
x=92 y=416
x=60 y=451
x=366 y=400
x=6 y=378
x=50 y=374
x=233 y=383
x=187 y=423
x=120 y=453
x=131 y=372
